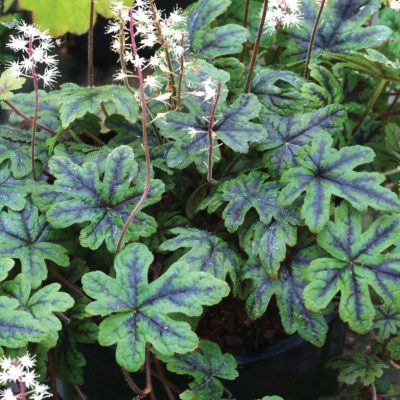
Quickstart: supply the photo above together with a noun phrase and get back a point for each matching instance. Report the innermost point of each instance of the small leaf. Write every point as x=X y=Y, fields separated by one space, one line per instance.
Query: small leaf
x=104 y=204
x=139 y=312
x=9 y=83
x=26 y=236
x=356 y=262
x=387 y=321
x=13 y=191
x=288 y=134
x=288 y=289
x=206 y=366
x=394 y=348
x=208 y=253
x=324 y=172
x=358 y=367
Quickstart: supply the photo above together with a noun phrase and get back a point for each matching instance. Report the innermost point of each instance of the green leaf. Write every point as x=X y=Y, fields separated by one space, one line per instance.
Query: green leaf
x=15 y=148
x=358 y=367
x=140 y=311
x=249 y=191
x=387 y=321
x=233 y=128
x=341 y=29
x=356 y=263
x=288 y=134
x=13 y=191
x=9 y=83
x=372 y=63
x=60 y=17
x=26 y=236
x=324 y=172
x=208 y=253
x=220 y=41
x=76 y=101
x=103 y=204
x=394 y=348
x=6 y=265
x=206 y=366
x=41 y=304
x=288 y=290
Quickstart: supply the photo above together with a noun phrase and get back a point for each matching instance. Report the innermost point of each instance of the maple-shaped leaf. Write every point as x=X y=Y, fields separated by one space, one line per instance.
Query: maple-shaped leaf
x=15 y=148
x=207 y=366
x=245 y=192
x=341 y=28
x=387 y=321
x=8 y=83
x=232 y=127
x=288 y=289
x=288 y=134
x=13 y=191
x=372 y=63
x=324 y=171
x=41 y=304
x=358 y=367
x=139 y=312
x=356 y=263
x=208 y=253
x=103 y=204
x=76 y=101
x=26 y=236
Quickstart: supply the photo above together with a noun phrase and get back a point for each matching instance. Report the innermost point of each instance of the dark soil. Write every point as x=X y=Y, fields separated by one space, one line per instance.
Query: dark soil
x=229 y=325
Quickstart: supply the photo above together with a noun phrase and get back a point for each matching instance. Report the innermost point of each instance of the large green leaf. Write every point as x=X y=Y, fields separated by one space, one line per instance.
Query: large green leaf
x=26 y=236
x=288 y=289
x=79 y=195
x=206 y=366
x=341 y=29
x=232 y=127
x=76 y=101
x=324 y=172
x=356 y=263
x=288 y=134
x=41 y=304
x=60 y=17
x=140 y=311
x=9 y=83
x=208 y=253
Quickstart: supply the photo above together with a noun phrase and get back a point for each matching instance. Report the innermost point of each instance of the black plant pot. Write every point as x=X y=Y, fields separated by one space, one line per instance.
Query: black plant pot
x=290 y=368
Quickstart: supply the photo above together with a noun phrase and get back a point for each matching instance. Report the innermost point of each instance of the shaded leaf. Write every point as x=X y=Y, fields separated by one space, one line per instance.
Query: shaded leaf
x=324 y=172
x=207 y=366
x=356 y=263
x=8 y=83
x=140 y=311
x=26 y=236
x=387 y=321
x=394 y=348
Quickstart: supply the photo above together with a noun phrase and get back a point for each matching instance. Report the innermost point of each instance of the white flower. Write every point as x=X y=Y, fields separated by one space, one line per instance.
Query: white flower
x=6 y=363
x=18 y=43
x=120 y=76
x=152 y=82
x=282 y=14
x=138 y=61
x=30 y=379
x=176 y=17
x=192 y=132
x=155 y=61
x=394 y=4
x=15 y=373
x=49 y=77
x=27 y=361
x=7 y=395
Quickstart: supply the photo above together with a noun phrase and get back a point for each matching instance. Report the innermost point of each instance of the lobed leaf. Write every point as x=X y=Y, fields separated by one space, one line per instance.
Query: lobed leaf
x=8 y=83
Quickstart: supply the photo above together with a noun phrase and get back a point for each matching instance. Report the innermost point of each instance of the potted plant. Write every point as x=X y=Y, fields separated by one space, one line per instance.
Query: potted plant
x=205 y=227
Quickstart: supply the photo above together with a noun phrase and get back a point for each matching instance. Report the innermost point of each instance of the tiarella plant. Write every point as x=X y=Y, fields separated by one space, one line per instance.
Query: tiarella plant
x=245 y=160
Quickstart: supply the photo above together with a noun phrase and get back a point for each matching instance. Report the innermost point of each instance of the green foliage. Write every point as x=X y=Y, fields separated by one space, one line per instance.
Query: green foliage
x=9 y=83
x=140 y=310
x=355 y=263
x=358 y=368
x=387 y=321
x=206 y=366
x=325 y=172
x=79 y=195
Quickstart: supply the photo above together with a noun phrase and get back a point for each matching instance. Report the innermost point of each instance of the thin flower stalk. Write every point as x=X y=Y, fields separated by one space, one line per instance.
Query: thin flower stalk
x=144 y=131
x=312 y=39
x=245 y=23
x=180 y=80
x=90 y=46
x=211 y=133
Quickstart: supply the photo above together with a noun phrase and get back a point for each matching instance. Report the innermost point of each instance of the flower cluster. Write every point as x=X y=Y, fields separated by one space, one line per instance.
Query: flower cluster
x=37 y=62
x=18 y=374
x=282 y=14
x=394 y=4
x=151 y=29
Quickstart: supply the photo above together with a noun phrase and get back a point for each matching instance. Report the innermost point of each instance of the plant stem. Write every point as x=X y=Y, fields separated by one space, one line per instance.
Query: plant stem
x=393 y=171
x=370 y=105
x=312 y=40
x=50 y=371
x=90 y=46
x=163 y=379
x=211 y=133
x=25 y=117
x=180 y=81
x=145 y=140
x=256 y=46
x=22 y=390
x=95 y=139
x=164 y=43
x=245 y=22
x=36 y=90
x=373 y=392
x=79 y=392
x=66 y=282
